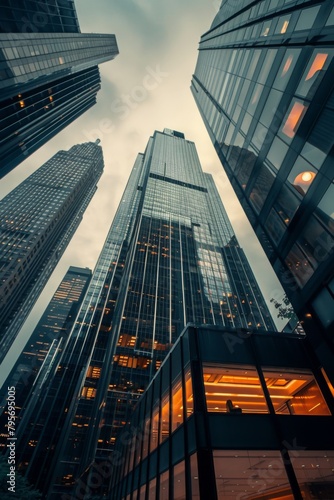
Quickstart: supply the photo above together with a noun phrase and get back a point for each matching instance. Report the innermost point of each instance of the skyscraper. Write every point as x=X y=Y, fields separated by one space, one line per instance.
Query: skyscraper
x=38 y=220
x=170 y=258
x=264 y=86
x=49 y=74
x=44 y=345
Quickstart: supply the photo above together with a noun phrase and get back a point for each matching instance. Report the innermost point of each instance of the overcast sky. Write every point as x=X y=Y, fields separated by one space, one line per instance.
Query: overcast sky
x=146 y=88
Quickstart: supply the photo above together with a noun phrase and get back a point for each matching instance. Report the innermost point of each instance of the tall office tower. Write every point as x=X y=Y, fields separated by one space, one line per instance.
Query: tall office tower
x=49 y=74
x=264 y=86
x=170 y=258
x=43 y=347
x=37 y=221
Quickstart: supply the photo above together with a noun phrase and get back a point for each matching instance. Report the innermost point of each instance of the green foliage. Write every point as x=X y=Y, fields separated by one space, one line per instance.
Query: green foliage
x=285 y=309
x=23 y=491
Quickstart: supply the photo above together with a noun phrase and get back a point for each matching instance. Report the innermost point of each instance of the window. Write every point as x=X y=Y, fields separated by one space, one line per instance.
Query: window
x=179 y=482
x=189 y=393
x=313 y=74
x=277 y=152
x=154 y=429
x=293 y=119
x=164 y=427
x=194 y=477
x=285 y=71
x=282 y=24
x=251 y=474
x=302 y=175
x=177 y=405
x=295 y=393
x=307 y=18
x=164 y=486
x=232 y=388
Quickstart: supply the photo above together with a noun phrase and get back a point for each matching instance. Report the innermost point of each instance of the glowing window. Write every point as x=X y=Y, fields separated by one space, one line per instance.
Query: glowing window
x=293 y=119
x=295 y=393
x=189 y=394
x=229 y=389
x=177 y=405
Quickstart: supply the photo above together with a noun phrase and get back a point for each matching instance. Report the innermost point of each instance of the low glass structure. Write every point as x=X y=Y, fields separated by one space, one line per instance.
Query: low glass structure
x=231 y=414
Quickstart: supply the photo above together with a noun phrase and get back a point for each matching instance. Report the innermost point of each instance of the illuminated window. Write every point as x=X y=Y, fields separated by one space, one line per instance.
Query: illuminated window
x=164 y=427
x=94 y=372
x=164 y=486
x=293 y=119
x=302 y=175
x=88 y=392
x=177 y=405
x=229 y=388
x=154 y=429
x=295 y=393
x=189 y=394
x=313 y=74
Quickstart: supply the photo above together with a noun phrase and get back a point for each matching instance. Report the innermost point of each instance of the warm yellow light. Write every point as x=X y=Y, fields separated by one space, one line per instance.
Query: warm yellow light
x=293 y=119
x=317 y=65
x=306 y=176
x=285 y=26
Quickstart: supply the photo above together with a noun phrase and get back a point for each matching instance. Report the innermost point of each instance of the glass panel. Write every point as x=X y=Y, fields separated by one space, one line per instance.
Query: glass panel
x=164 y=428
x=164 y=486
x=313 y=74
x=277 y=152
x=270 y=107
x=282 y=25
x=189 y=393
x=295 y=393
x=194 y=477
x=142 y=493
x=152 y=489
x=275 y=226
x=316 y=242
x=267 y=65
x=286 y=204
x=331 y=388
x=286 y=69
x=330 y=20
x=326 y=205
x=177 y=405
x=307 y=18
x=302 y=175
x=179 y=482
x=154 y=429
x=293 y=119
x=251 y=475
x=146 y=437
x=299 y=266
x=262 y=186
x=313 y=155
x=231 y=389
x=314 y=472
x=254 y=100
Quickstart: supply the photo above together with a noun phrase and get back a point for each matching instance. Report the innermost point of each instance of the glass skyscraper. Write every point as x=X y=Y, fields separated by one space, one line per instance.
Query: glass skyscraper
x=264 y=86
x=44 y=346
x=170 y=258
x=49 y=74
x=38 y=220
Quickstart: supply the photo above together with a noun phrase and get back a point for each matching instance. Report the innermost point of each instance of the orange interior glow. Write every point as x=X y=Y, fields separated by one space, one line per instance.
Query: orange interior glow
x=293 y=119
x=317 y=65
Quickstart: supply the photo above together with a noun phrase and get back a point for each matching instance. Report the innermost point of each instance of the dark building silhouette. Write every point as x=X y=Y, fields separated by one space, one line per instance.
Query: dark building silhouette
x=49 y=74
x=170 y=257
x=230 y=416
x=264 y=87
x=37 y=221
x=44 y=346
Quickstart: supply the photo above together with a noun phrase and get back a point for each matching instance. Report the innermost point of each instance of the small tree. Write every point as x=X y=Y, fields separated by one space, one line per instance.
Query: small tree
x=23 y=491
x=285 y=309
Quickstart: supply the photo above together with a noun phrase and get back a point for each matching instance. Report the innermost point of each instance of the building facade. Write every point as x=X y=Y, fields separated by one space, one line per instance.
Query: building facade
x=49 y=74
x=264 y=86
x=38 y=220
x=248 y=421
x=44 y=346
x=170 y=257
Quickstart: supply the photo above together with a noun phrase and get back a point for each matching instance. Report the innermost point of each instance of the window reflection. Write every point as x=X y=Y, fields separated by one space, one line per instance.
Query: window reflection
x=262 y=187
x=299 y=266
x=286 y=204
x=229 y=388
x=286 y=69
x=302 y=175
x=154 y=429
